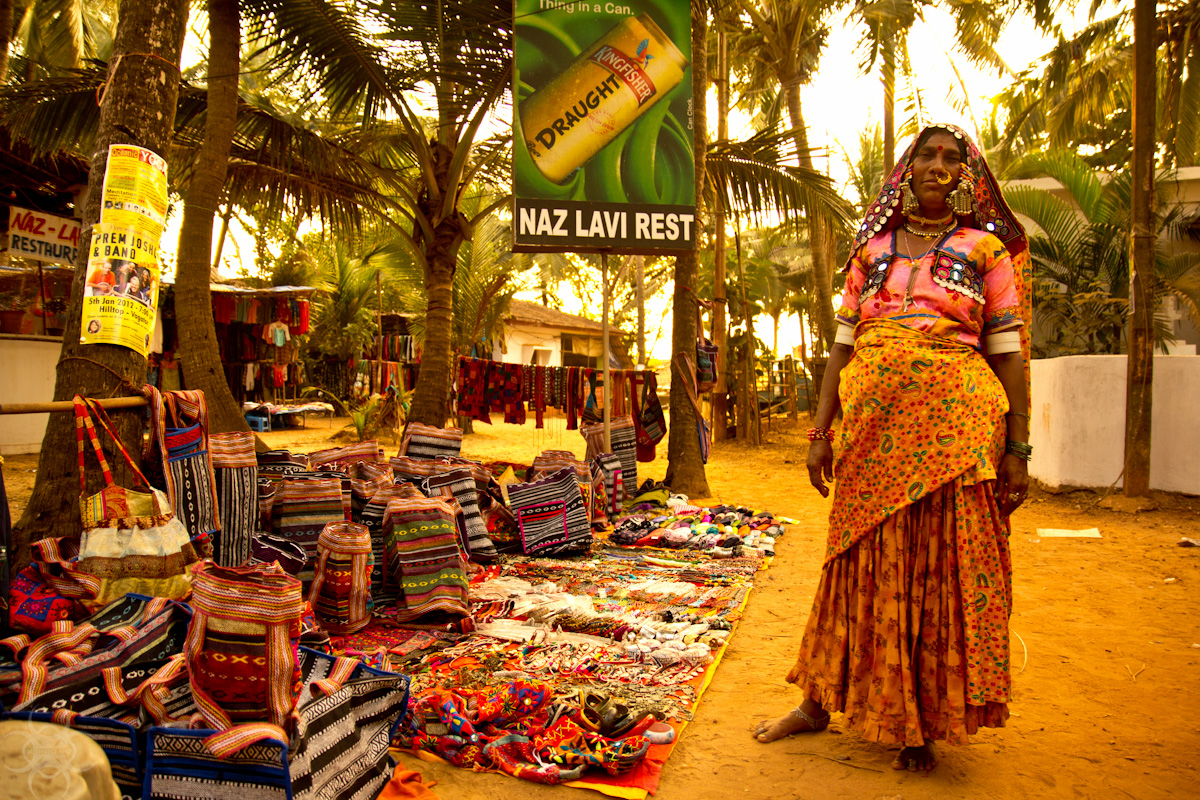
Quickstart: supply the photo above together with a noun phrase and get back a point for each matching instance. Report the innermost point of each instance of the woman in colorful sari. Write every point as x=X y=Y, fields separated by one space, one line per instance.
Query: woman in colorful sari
x=908 y=635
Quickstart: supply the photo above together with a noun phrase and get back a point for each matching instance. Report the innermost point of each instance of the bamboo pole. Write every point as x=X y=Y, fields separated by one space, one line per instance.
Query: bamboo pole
x=68 y=405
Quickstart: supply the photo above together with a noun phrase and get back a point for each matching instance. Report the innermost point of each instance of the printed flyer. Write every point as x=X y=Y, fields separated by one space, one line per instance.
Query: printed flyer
x=121 y=292
x=602 y=147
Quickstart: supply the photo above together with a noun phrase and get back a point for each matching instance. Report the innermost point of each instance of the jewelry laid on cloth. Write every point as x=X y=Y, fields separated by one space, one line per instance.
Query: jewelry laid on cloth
x=917 y=218
x=908 y=200
x=933 y=234
x=820 y=433
x=962 y=199
x=1021 y=450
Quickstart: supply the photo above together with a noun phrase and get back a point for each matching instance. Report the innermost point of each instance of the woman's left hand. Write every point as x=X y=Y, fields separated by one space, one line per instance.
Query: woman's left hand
x=1012 y=483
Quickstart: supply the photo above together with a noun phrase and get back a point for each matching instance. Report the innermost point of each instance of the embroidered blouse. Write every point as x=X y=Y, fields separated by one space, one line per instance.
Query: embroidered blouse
x=962 y=289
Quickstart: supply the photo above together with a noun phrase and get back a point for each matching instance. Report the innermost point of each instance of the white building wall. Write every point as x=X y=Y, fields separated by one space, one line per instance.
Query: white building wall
x=1078 y=422
x=521 y=341
x=27 y=365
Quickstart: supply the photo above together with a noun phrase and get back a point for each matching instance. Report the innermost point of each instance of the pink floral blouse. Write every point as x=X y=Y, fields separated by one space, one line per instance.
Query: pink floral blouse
x=963 y=288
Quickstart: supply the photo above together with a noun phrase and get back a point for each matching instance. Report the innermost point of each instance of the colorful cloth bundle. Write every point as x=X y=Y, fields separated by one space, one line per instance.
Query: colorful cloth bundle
x=341 y=589
x=426 y=441
x=551 y=514
x=303 y=507
x=459 y=484
x=236 y=470
x=424 y=560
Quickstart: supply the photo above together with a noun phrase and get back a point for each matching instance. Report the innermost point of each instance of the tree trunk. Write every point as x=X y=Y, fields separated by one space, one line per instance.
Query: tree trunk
x=720 y=326
x=685 y=469
x=6 y=23
x=889 y=101
x=199 y=356
x=429 y=405
x=1140 y=381
x=818 y=234
x=139 y=108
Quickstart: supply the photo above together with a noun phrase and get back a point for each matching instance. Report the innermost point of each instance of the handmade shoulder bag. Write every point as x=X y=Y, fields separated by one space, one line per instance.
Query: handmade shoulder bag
x=551 y=515
x=706 y=354
x=179 y=447
x=341 y=589
x=131 y=541
x=236 y=470
x=426 y=441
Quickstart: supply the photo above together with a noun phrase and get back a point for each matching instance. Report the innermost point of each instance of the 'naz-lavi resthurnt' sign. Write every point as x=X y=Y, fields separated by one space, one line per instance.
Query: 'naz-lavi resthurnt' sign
x=602 y=148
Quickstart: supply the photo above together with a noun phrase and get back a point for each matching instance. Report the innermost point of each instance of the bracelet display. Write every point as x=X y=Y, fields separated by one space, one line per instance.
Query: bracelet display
x=1021 y=450
x=820 y=433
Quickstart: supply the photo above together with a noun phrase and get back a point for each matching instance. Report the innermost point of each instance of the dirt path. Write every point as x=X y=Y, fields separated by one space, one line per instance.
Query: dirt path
x=1105 y=705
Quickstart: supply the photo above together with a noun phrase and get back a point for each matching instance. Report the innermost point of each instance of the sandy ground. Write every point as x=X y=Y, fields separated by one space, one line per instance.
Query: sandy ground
x=1105 y=652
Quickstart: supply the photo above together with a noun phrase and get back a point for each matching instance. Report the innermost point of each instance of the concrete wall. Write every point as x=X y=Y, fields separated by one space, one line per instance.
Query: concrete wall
x=1078 y=422
x=520 y=343
x=27 y=365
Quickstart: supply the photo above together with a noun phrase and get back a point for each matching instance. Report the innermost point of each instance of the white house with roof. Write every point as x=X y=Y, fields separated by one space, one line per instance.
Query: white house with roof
x=535 y=334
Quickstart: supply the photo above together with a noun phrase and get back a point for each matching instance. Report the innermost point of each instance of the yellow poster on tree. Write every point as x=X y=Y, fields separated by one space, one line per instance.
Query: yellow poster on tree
x=121 y=292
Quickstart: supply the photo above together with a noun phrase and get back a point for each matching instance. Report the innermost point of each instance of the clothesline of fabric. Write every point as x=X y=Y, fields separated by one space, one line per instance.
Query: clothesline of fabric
x=262 y=311
x=483 y=387
x=397 y=348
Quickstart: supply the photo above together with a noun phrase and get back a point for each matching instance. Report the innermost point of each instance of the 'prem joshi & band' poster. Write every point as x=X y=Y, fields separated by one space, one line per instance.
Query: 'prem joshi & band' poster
x=121 y=292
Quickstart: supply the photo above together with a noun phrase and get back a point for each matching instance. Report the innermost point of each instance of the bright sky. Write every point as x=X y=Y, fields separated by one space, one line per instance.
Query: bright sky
x=838 y=104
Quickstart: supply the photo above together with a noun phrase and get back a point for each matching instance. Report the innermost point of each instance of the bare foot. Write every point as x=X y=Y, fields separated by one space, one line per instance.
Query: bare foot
x=808 y=717
x=916 y=759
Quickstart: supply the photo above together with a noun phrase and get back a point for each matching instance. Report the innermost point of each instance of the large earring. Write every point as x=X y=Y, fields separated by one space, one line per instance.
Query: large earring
x=962 y=199
x=908 y=200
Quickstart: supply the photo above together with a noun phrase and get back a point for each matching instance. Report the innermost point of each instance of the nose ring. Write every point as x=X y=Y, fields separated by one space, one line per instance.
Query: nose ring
x=943 y=178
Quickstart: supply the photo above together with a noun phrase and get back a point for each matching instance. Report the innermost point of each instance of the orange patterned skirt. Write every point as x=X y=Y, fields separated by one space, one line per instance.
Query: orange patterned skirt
x=888 y=643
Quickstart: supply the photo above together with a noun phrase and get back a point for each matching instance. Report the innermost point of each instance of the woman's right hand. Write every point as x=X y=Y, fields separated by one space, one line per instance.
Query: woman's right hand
x=820 y=464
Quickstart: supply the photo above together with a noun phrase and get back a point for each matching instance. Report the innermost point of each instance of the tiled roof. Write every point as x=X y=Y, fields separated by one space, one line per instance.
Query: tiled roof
x=524 y=312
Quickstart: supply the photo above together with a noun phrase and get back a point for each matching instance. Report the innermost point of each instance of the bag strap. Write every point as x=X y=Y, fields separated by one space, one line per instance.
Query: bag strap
x=88 y=412
x=34 y=670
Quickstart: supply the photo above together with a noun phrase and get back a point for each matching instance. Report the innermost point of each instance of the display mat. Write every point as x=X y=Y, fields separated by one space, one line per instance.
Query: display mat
x=644 y=627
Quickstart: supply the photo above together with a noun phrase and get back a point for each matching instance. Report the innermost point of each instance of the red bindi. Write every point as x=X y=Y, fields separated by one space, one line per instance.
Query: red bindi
x=939 y=148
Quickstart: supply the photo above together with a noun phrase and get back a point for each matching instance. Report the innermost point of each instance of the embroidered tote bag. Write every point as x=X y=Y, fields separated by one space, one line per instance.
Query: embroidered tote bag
x=550 y=515
x=341 y=589
x=131 y=541
x=50 y=589
x=426 y=441
x=179 y=447
x=236 y=470
x=241 y=644
x=425 y=563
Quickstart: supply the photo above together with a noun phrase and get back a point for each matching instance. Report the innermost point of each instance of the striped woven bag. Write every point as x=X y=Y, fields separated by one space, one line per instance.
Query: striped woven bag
x=459 y=484
x=241 y=646
x=426 y=441
x=342 y=457
x=303 y=506
x=179 y=447
x=237 y=494
x=551 y=515
x=623 y=435
x=372 y=517
x=341 y=589
x=608 y=465
x=424 y=560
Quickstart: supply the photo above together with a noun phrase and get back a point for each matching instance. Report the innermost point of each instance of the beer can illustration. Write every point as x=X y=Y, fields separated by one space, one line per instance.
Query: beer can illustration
x=601 y=93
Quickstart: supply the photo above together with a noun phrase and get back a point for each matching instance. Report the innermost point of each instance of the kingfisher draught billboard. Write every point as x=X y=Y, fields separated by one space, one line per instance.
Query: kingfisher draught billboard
x=602 y=127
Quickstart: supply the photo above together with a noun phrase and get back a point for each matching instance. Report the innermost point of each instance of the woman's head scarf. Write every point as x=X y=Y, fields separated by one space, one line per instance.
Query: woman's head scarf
x=991 y=213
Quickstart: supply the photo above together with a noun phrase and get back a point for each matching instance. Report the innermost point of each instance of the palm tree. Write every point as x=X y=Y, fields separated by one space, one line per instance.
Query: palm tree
x=1080 y=256
x=129 y=114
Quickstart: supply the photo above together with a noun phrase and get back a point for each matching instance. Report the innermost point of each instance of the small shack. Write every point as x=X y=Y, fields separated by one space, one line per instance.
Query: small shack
x=534 y=334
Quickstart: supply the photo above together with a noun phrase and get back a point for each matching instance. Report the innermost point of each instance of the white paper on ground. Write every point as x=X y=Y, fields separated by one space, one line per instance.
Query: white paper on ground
x=1062 y=533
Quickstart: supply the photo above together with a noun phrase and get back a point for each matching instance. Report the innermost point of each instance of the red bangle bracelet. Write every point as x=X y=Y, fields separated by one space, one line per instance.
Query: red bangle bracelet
x=820 y=433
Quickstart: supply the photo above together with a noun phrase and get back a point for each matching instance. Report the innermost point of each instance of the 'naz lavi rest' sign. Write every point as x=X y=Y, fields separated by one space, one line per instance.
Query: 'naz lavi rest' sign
x=602 y=149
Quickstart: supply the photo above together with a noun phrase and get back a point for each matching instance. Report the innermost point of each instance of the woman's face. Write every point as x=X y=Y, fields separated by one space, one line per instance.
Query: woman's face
x=937 y=157
x=135 y=283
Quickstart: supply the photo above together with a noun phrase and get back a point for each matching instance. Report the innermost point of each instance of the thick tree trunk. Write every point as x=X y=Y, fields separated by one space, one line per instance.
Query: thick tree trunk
x=199 y=355
x=6 y=23
x=889 y=101
x=818 y=228
x=1140 y=381
x=429 y=404
x=685 y=469
x=139 y=108
x=720 y=333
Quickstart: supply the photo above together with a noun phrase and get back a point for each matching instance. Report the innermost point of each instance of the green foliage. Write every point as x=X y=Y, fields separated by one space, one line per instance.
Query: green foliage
x=343 y=316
